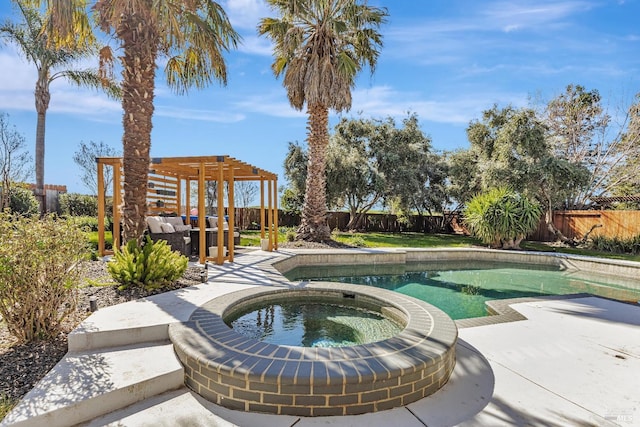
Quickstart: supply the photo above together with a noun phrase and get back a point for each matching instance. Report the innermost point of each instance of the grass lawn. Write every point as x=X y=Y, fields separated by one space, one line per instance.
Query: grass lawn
x=93 y=239
x=420 y=240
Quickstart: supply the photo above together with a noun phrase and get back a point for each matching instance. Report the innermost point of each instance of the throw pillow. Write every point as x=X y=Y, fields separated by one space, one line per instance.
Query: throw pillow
x=167 y=228
x=155 y=226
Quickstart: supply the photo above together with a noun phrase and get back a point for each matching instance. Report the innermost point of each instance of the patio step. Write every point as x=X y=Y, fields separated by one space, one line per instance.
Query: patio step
x=85 y=385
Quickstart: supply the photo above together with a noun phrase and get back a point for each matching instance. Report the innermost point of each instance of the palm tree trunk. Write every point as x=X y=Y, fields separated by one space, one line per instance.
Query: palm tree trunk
x=314 y=225
x=43 y=97
x=140 y=51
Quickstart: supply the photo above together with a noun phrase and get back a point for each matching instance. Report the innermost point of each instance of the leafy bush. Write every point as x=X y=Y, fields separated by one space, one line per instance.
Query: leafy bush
x=86 y=223
x=38 y=274
x=356 y=241
x=502 y=217
x=22 y=201
x=75 y=204
x=151 y=266
x=289 y=233
x=616 y=244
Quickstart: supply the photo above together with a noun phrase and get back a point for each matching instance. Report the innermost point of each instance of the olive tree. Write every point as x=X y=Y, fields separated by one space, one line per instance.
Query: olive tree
x=511 y=147
x=372 y=161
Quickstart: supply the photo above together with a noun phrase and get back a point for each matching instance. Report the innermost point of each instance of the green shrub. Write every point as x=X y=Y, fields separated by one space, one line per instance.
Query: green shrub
x=151 y=266
x=502 y=217
x=22 y=201
x=616 y=244
x=289 y=233
x=75 y=204
x=86 y=223
x=356 y=241
x=38 y=274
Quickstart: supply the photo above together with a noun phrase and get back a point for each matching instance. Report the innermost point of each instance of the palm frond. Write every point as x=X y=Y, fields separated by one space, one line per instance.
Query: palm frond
x=321 y=45
x=195 y=38
x=91 y=79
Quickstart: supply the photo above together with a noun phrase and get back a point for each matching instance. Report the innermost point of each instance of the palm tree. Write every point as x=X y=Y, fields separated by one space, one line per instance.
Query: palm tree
x=52 y=63
x=320 y=46
x=192 y=35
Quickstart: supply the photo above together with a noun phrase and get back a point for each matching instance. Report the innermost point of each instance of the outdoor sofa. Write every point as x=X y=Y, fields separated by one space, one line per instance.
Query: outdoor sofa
x=173 y=230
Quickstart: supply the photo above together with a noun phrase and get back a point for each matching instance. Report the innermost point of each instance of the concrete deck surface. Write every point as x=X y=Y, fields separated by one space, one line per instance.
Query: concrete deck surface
x=573 y=362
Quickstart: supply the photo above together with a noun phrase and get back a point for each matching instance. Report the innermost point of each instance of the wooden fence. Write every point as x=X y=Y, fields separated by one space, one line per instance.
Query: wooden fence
x=247 y=218
x=572 y=224
x=51 y=196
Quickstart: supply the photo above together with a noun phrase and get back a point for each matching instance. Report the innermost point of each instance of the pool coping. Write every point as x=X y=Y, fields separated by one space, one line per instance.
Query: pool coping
x=242 y=373
x=500 y=310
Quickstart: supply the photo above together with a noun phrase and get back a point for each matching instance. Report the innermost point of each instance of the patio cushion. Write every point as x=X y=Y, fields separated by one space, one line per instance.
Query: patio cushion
x=213 y=223
x=174 y=220
x=182 y=227
x=167 y=228
x=155 y=225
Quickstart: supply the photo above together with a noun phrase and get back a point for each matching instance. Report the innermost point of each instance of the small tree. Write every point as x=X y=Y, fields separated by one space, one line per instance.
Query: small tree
x=22 y=201
x=583 y=133
x=246 y=192
x=38 y=274
x=14 y=160
x=502 y=218
x=85 y=158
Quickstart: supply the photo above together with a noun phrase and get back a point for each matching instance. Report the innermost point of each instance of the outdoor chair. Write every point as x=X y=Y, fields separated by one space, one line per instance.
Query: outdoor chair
x=172 y=230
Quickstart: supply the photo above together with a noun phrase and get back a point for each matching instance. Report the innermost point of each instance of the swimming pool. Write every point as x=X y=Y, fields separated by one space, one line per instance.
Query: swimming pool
x=461 y=288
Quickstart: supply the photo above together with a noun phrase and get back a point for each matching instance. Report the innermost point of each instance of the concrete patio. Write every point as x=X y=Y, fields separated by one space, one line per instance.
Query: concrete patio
x=571 y=362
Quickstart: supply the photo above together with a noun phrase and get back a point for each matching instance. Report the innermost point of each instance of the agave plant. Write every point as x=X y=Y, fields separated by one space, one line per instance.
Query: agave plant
x=501 y=217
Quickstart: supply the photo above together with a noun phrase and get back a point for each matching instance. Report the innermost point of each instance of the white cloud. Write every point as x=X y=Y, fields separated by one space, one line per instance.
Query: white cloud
x=198 y=114
x=510 y=16
x=382 y=101
x=481 y=29
x=245 y=14
x=275 y=105
x=17 y=74
x=256 y=45
x=18 y=84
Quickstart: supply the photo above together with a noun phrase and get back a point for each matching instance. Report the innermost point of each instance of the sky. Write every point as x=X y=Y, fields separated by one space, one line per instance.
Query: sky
x=445 y=60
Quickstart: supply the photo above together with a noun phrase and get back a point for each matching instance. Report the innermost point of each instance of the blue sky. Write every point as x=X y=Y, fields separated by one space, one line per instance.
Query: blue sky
x=446 y=60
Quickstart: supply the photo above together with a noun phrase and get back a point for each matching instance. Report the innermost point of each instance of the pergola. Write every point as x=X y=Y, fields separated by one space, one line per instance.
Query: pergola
x=164 y=195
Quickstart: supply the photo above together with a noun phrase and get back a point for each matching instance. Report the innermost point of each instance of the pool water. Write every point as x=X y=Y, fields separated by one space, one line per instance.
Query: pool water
x=461 y=289
x=314 y=325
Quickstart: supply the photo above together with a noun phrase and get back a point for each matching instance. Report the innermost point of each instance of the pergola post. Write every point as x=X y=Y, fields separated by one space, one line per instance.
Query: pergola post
x=275 y=212
x=187 y=200
x=117 y=198
x=262 y=217
x=232 y=214
x=101 y=206
x=220 y=208
x=202 y=221
x=179 y=197
x=270 y=215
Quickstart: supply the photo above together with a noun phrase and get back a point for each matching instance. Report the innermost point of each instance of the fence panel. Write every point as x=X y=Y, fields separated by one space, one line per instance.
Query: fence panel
x=574 y=224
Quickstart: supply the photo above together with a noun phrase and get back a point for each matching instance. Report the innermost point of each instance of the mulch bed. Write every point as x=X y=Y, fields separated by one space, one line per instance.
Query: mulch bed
x=22 y=365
